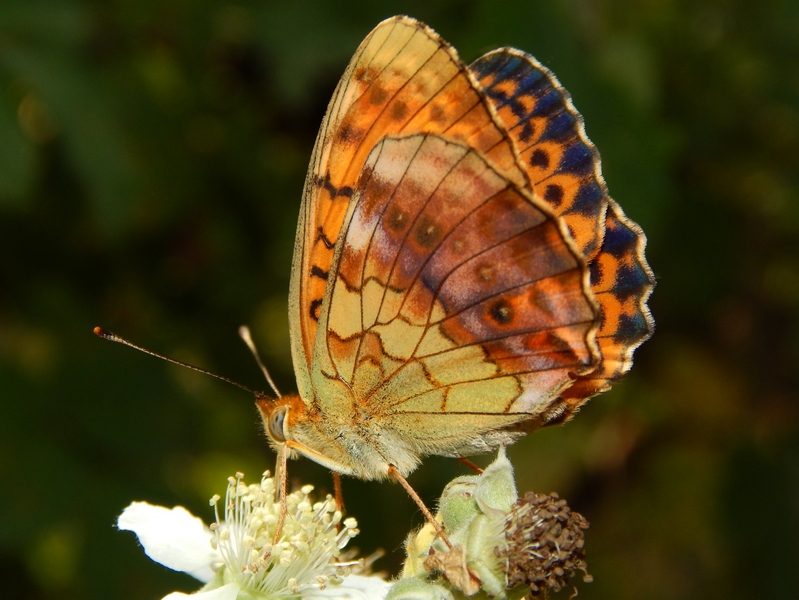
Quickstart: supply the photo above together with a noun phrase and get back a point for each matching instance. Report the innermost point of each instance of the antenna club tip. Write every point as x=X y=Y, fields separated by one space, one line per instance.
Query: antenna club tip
x=105 y=334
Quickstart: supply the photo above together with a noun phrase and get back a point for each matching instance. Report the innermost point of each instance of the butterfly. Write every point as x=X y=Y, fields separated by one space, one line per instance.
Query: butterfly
x=460 y=275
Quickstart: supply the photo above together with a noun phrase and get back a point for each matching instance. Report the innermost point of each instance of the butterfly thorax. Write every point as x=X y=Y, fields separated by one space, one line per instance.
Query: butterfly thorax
x=352 y=444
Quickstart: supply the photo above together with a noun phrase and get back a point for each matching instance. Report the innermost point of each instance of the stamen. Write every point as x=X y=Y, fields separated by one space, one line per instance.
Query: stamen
x=303 y=555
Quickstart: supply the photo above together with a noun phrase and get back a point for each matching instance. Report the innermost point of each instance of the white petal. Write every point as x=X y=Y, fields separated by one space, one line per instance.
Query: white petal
x=226 y=592
x=175 y=538
x=354 y=587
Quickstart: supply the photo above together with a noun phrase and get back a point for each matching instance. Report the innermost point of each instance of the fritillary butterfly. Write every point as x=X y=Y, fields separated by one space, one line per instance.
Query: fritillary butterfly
x=461 y=276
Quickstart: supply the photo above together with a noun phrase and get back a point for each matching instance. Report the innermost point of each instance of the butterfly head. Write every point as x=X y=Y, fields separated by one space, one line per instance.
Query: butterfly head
x=280 y=416
x=291 y=427
x=299 y=430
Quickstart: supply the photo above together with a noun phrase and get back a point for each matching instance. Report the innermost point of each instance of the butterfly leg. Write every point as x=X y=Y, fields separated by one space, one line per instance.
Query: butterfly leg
x=470 y=464
x=339 y=496
x=282 y=459
x=393 y=472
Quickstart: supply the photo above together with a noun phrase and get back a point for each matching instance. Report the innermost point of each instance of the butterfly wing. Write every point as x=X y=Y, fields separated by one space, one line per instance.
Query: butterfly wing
x=402 y=79
x=452 y=292
x=565 y=171
x=621 y=281
x=561 y=162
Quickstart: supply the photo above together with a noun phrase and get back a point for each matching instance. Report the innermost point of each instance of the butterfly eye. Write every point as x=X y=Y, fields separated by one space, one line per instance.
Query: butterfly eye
x=276 y=422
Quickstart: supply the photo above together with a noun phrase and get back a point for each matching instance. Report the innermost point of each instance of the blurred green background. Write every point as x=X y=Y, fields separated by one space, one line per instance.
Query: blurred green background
x=152 y=157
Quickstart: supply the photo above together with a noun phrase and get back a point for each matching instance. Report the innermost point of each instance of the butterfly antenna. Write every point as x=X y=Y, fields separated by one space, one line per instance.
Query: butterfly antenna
x=112 y=337
x=244 y=334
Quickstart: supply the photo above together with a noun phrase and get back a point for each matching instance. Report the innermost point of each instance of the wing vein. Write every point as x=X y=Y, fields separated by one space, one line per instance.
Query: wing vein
x=405 y=236
x=470 y=381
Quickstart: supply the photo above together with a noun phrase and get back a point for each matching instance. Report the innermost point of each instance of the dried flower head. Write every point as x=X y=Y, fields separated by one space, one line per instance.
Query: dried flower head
x=503 y=546
x=545 y=544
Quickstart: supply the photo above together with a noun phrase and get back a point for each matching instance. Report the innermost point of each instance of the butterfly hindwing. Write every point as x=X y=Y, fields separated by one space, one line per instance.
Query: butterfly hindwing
x=621 y=281
x=564 y=169
x=452 y=291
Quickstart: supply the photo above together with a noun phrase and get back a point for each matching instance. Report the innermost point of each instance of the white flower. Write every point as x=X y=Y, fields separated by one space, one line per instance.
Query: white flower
x=235 y=557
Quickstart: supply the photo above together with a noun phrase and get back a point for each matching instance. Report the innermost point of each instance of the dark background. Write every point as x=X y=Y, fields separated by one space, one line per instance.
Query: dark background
x=152 y=157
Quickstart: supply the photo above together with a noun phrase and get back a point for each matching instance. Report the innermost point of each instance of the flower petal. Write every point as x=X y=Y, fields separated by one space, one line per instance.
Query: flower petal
x=354 y=587
x=173 y=537
x=226 y=592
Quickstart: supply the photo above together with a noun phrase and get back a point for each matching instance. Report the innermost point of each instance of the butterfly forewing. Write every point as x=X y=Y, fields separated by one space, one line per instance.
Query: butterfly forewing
x=402 y=79
x=561 y=163
x=452 y=291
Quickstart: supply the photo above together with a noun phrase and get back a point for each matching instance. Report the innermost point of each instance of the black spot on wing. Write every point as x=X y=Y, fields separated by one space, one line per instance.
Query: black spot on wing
x=501 y=312
x=427 y=233
x=347 y=134
x=378 y=95
x=554 y=194
x=539 y=158
x=317 y=271
x=333 y=191
x=315 y=309
x=399 y=110
x=321 y=237
x=527 y=132
x=396 y=219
